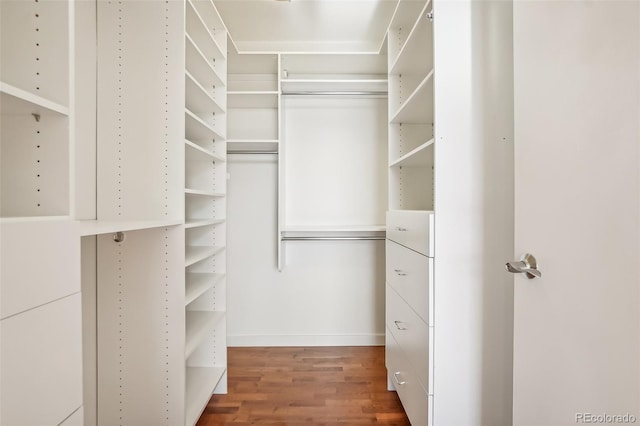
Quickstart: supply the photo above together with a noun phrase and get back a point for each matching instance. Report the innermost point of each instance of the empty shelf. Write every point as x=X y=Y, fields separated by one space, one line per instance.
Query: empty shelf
x=197 y=129
x=195 y=152
x=195 y=254
x=418 y=108
x=198 y=283
x=201 y=381
x=267 y=145
x=97 y=227
x=190 y=191
x=200 y=67
x=200 y=34
x=252 y=99
x=319 y=86
x=422 y=156
x=200 y=99
x=195 y=223
x=18 y=101
x=199 y=324
x=416 y=55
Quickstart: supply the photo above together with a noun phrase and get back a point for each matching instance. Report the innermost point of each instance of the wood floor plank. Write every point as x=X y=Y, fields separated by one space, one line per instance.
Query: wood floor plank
x=305 y=386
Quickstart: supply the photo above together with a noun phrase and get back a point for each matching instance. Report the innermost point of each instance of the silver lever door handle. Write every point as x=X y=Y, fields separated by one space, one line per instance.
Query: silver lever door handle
x=528 y=266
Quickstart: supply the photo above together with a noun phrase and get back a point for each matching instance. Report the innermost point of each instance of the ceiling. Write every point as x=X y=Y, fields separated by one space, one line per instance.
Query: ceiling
x=307 y=25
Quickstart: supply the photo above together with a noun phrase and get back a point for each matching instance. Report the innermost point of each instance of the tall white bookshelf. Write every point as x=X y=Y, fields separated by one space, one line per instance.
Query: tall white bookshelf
x=39 y=280
x=253 y=98
x=161 y=297
x=205 y=206
x=410 y=216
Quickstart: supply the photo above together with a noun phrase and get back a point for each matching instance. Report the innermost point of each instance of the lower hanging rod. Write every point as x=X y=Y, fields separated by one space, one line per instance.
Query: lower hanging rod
x=333 y=238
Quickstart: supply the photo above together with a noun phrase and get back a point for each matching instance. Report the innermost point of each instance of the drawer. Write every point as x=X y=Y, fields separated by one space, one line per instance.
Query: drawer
x=40 y=263
x=411 y=276
x=411 y=333
x=41 y=352
x=76 y=419
x=411 y=228
x=414 y=398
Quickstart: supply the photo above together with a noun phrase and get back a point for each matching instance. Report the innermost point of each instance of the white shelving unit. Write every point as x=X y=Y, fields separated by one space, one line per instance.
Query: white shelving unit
x=205 y=206
x=36 y=110
x=40 y=292
x=314 y=88
x=409 y=254
x=253 y=98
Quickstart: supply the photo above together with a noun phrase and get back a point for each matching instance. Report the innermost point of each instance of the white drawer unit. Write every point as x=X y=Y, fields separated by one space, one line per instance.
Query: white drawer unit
x=411 y=275
x=38 y=263
x=412 y=229
x=42 y=364
x=414 y=398
x=411 y=333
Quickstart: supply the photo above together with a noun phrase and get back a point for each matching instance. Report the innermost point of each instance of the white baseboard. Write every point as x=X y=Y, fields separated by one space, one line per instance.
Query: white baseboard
x=307 y=340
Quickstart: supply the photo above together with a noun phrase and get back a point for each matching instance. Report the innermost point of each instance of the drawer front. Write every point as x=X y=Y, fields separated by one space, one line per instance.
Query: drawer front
x=410 y=274
x=411 y=333
x=42 y=364
x=76 y=419
x=414 y=398
x=411 y=228
x=40 y=263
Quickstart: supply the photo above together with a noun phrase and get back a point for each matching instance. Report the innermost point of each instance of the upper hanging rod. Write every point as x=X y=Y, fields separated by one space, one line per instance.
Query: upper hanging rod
x=334 y=93
x=252 y=152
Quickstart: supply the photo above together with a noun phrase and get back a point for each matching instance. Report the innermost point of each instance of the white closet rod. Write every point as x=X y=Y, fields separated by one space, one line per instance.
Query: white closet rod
x=252 y=152
x=335 y=93
x=332 y=238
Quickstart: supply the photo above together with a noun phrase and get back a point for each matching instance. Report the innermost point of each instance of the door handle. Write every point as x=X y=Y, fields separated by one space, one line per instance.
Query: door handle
x=527 y=266
x=400 y=327
x=398 y=381
x=400 y=272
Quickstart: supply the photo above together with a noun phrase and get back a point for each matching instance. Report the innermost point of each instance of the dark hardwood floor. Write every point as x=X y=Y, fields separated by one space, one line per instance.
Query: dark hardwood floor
x=305 y=386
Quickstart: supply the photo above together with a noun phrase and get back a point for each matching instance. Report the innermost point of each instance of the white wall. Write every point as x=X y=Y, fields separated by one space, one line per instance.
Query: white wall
x=328 y=293
x=474 y=213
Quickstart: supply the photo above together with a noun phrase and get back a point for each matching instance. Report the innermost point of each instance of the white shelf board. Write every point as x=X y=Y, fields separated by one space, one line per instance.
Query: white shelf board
x=267 y=145
x=198 y=283
x=97 y=227
x=422 y=156
x=335 y=228
x=15 y=101
x=198 y=325
x=330 y=85
x=198 y=99
x=196 y=223
x=200 y=34
x=416 y=55
x=191 y=191
x=201 y=381
x=25 y=219
x=333 y=231
x=252 y=82
x=252 y=99
x=195 y=152
x=199 y=66
x=197 y=129
x=406 y=12
x=418 y=108
x=195 y=254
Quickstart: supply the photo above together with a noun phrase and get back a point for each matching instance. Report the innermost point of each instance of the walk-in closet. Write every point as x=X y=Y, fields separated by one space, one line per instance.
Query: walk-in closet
x=189 y=187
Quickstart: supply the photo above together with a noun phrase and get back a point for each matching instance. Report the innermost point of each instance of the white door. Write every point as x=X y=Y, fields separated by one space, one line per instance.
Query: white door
x=577 y=189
